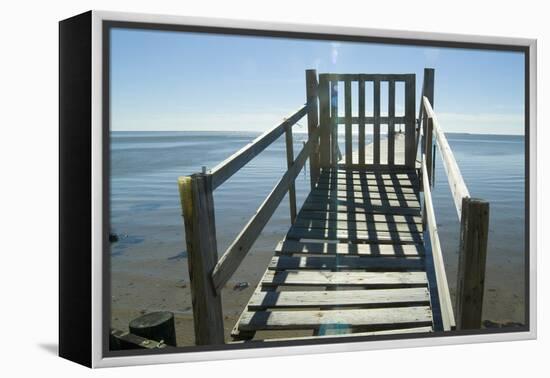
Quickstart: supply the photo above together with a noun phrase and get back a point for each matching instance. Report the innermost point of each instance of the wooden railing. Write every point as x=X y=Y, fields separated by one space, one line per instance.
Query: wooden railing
x=208 y=275
x=474 y=224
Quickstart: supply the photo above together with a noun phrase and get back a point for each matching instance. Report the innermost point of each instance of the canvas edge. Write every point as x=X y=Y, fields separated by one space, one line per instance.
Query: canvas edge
x=97 y=198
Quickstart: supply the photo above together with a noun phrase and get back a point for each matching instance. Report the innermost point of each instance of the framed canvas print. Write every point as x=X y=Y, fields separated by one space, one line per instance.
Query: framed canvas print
x=231 y=189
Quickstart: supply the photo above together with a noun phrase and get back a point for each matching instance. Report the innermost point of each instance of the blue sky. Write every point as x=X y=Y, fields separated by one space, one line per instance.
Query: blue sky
x=193 y=81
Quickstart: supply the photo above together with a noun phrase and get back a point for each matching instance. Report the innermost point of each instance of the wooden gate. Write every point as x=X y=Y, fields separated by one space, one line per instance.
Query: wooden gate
x=330 y=119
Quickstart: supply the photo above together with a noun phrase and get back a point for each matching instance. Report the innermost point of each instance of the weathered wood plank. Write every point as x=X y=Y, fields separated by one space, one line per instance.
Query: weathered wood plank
x=371 y=209
x=305 y=299
x=312 y=94
x=361 y=279
x=371 y=236
x=289 y=163
x=396 y=250
x=235 y=253
x=366 y=202
x=391 y=122
x=324 y=114
x=267 y=320
x=231 y=165
x=347 y=110
x=351 y=225
x=381 y=195
x=367 y=77
x=376 y=129
x=335 y=262
x=334 y=150
x=415 y=330
x=459 y=190
x=370 y=120
x=357 y=217
x=367 y=188
x=444 y=295
x=410 y=123
x=361 y=122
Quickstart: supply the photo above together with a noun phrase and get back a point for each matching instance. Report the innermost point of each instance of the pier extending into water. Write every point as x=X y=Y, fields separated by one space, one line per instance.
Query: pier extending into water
x=362 y=255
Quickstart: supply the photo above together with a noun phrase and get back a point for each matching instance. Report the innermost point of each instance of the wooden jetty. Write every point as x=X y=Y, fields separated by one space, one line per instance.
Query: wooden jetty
x=362 y=255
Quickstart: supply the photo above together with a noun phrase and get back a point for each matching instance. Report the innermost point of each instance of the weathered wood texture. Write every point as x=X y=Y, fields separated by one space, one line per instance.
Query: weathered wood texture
x=200 y=233
x=290 y=162
x=474 y=232
x=444 y=295
x=456 y=182
x=312 y=95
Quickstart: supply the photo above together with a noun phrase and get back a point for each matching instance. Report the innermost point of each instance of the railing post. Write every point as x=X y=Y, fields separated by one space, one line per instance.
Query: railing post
x=474 y=229
x=334 y=148
x=324 y=124
x=427 y=152
x=200 y=233
x=428 y=91
x=290 y=162
x=312 y=94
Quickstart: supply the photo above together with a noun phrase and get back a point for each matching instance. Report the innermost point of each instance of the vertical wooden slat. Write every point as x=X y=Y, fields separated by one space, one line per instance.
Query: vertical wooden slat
x=312 y=124
x=290 y=161
x=324 y=113
x=200 y=233
x=428 y=91
x=349 y=145
x=361 y=120
x=391 y=122
x=410 y=102
x=334 y=123
x=428 y=149
x=376 y=129
x=474 y=229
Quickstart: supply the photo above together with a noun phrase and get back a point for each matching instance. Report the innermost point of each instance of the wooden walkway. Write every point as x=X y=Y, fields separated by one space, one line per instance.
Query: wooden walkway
x=352 y=262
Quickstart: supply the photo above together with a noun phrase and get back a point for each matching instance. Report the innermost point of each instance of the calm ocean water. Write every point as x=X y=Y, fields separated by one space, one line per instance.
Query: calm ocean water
x=145 y=208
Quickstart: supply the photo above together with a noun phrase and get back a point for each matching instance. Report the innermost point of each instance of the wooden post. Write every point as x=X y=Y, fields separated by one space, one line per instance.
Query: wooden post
x=428 y=91
x=376 y=126
x=312 y=94
x=347 y=109
x=158 y=326
x=290 y=162
x=200 y=233
x=324 y=113
x=334 y=149
x=474 y=229
x=428 y=148
x=361 y=120
x=391 y=122
x=410 y=122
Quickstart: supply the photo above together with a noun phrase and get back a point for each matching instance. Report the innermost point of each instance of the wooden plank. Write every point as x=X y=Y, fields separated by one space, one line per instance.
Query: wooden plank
x=372 y=209
x=376 y=130
x=371 y=236
x=474 y=231
x=290 y=162
x=410 y=123
x=231 y=165
x=324 y=114
x=415 y=330
x=444 y=294
x=366 y=202
x=335 y=262
x=200 y=234
x=361 y=122
x=347 y=110
x=369 y=120
x=312 y=124
x=355 y=217
x=456 y=182
x=324 y=180
x=367 y=77
x=390 y=317
x=262 y=300
x=329 y=279
x=363 y=195
x=334 y=150
x=369 y=188
x=352 y=225
x=339 y=172
x=235 y=253
x=391 y=122
x=396 y=250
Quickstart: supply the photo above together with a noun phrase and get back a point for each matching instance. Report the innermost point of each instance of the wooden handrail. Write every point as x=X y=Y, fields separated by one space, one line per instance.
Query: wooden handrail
x=232 y=164
x=447 y=315
x=235 y=253
x=459 y=190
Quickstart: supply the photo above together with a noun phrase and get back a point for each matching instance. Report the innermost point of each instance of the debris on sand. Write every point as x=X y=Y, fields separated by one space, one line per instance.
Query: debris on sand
x=241 y=285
